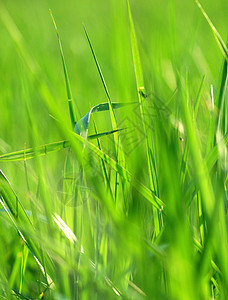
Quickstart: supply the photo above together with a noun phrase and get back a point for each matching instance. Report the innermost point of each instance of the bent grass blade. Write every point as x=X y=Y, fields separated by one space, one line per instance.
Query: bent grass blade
x=82 y=125
x=120 y=156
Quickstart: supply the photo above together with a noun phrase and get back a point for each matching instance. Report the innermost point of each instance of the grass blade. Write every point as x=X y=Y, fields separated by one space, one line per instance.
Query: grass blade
x=147 y=193
x=20 y=219
x=23 y=267
x=73 y=117
x=151 y=158
x=217 y=36
x=220 y=95
x=82 y=125
x=196 y=107
x=200 y=168
x=33 y=152
x=47 y=148
x=120 y=156
x=213 y=156
x=217 y=120
x=136 y=57
x=99 y=135
x=30 y=153
x=113 y=117
x=184 y=164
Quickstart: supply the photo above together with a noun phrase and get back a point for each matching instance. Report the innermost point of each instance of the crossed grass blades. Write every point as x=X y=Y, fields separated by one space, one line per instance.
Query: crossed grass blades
x=75 y=174
x=9 y=199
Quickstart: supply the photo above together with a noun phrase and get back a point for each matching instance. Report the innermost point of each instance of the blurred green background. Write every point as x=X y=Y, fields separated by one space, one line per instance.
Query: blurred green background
x=168 y=32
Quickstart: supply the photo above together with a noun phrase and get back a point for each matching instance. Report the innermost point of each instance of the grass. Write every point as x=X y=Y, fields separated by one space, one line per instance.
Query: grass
x=113 y=157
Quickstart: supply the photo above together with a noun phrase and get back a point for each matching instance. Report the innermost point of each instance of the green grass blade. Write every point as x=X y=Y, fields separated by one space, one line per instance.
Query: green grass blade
x=103 y=166
x=220 y=95
x=118 y=144
x=20 y=219
x=18 y=39
x=196 y=107
x=183 y=168
x=200 y=168
x=136 y=57
x=99 y=135
x=199 y=247
x=42 y=150
x=216 y=121
x=217 y=36
x=47 y=148
x=213 y=156
x=33 y=152
x=82 y=125
x=113 y=117
x=112 y=113
x=23 y=267
x=147 y=193
x=184 y=164
x=151 y=158
x=73 y=116
x=222 y=83
x=18 y=295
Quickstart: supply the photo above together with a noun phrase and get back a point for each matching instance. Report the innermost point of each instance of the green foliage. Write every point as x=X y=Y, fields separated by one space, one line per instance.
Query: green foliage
x=123 y=199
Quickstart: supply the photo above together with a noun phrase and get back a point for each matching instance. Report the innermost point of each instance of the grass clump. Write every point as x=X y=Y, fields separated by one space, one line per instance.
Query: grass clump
x=118 y=199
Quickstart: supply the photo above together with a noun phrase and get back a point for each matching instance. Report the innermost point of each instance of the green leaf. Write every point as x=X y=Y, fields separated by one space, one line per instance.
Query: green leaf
x=42 y=150
x=151 y=158
x=68 y=88
x=218 y=120
x=32 y=152
x=217 y=36
x=136 y=57
x=82 y=125
x=213 y=156
x=196 y=107
x=123 y=172
x=202 y=177
x=46 y=149
x=20 y=219
x=220 y=94
x=113 y=117
x=118 y=144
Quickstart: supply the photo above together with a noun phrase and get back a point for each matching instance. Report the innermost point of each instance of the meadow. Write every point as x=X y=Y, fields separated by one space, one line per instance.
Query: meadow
x=113 y=149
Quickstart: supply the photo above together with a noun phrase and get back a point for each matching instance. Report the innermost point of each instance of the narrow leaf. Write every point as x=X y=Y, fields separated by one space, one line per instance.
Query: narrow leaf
x=217 y=36
x=151 y=157
x=32 y=152
x=82 y=125
x=113 y=118
x=120 y=156
x=46 y=149
x=68 y=88
x=20 y=219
